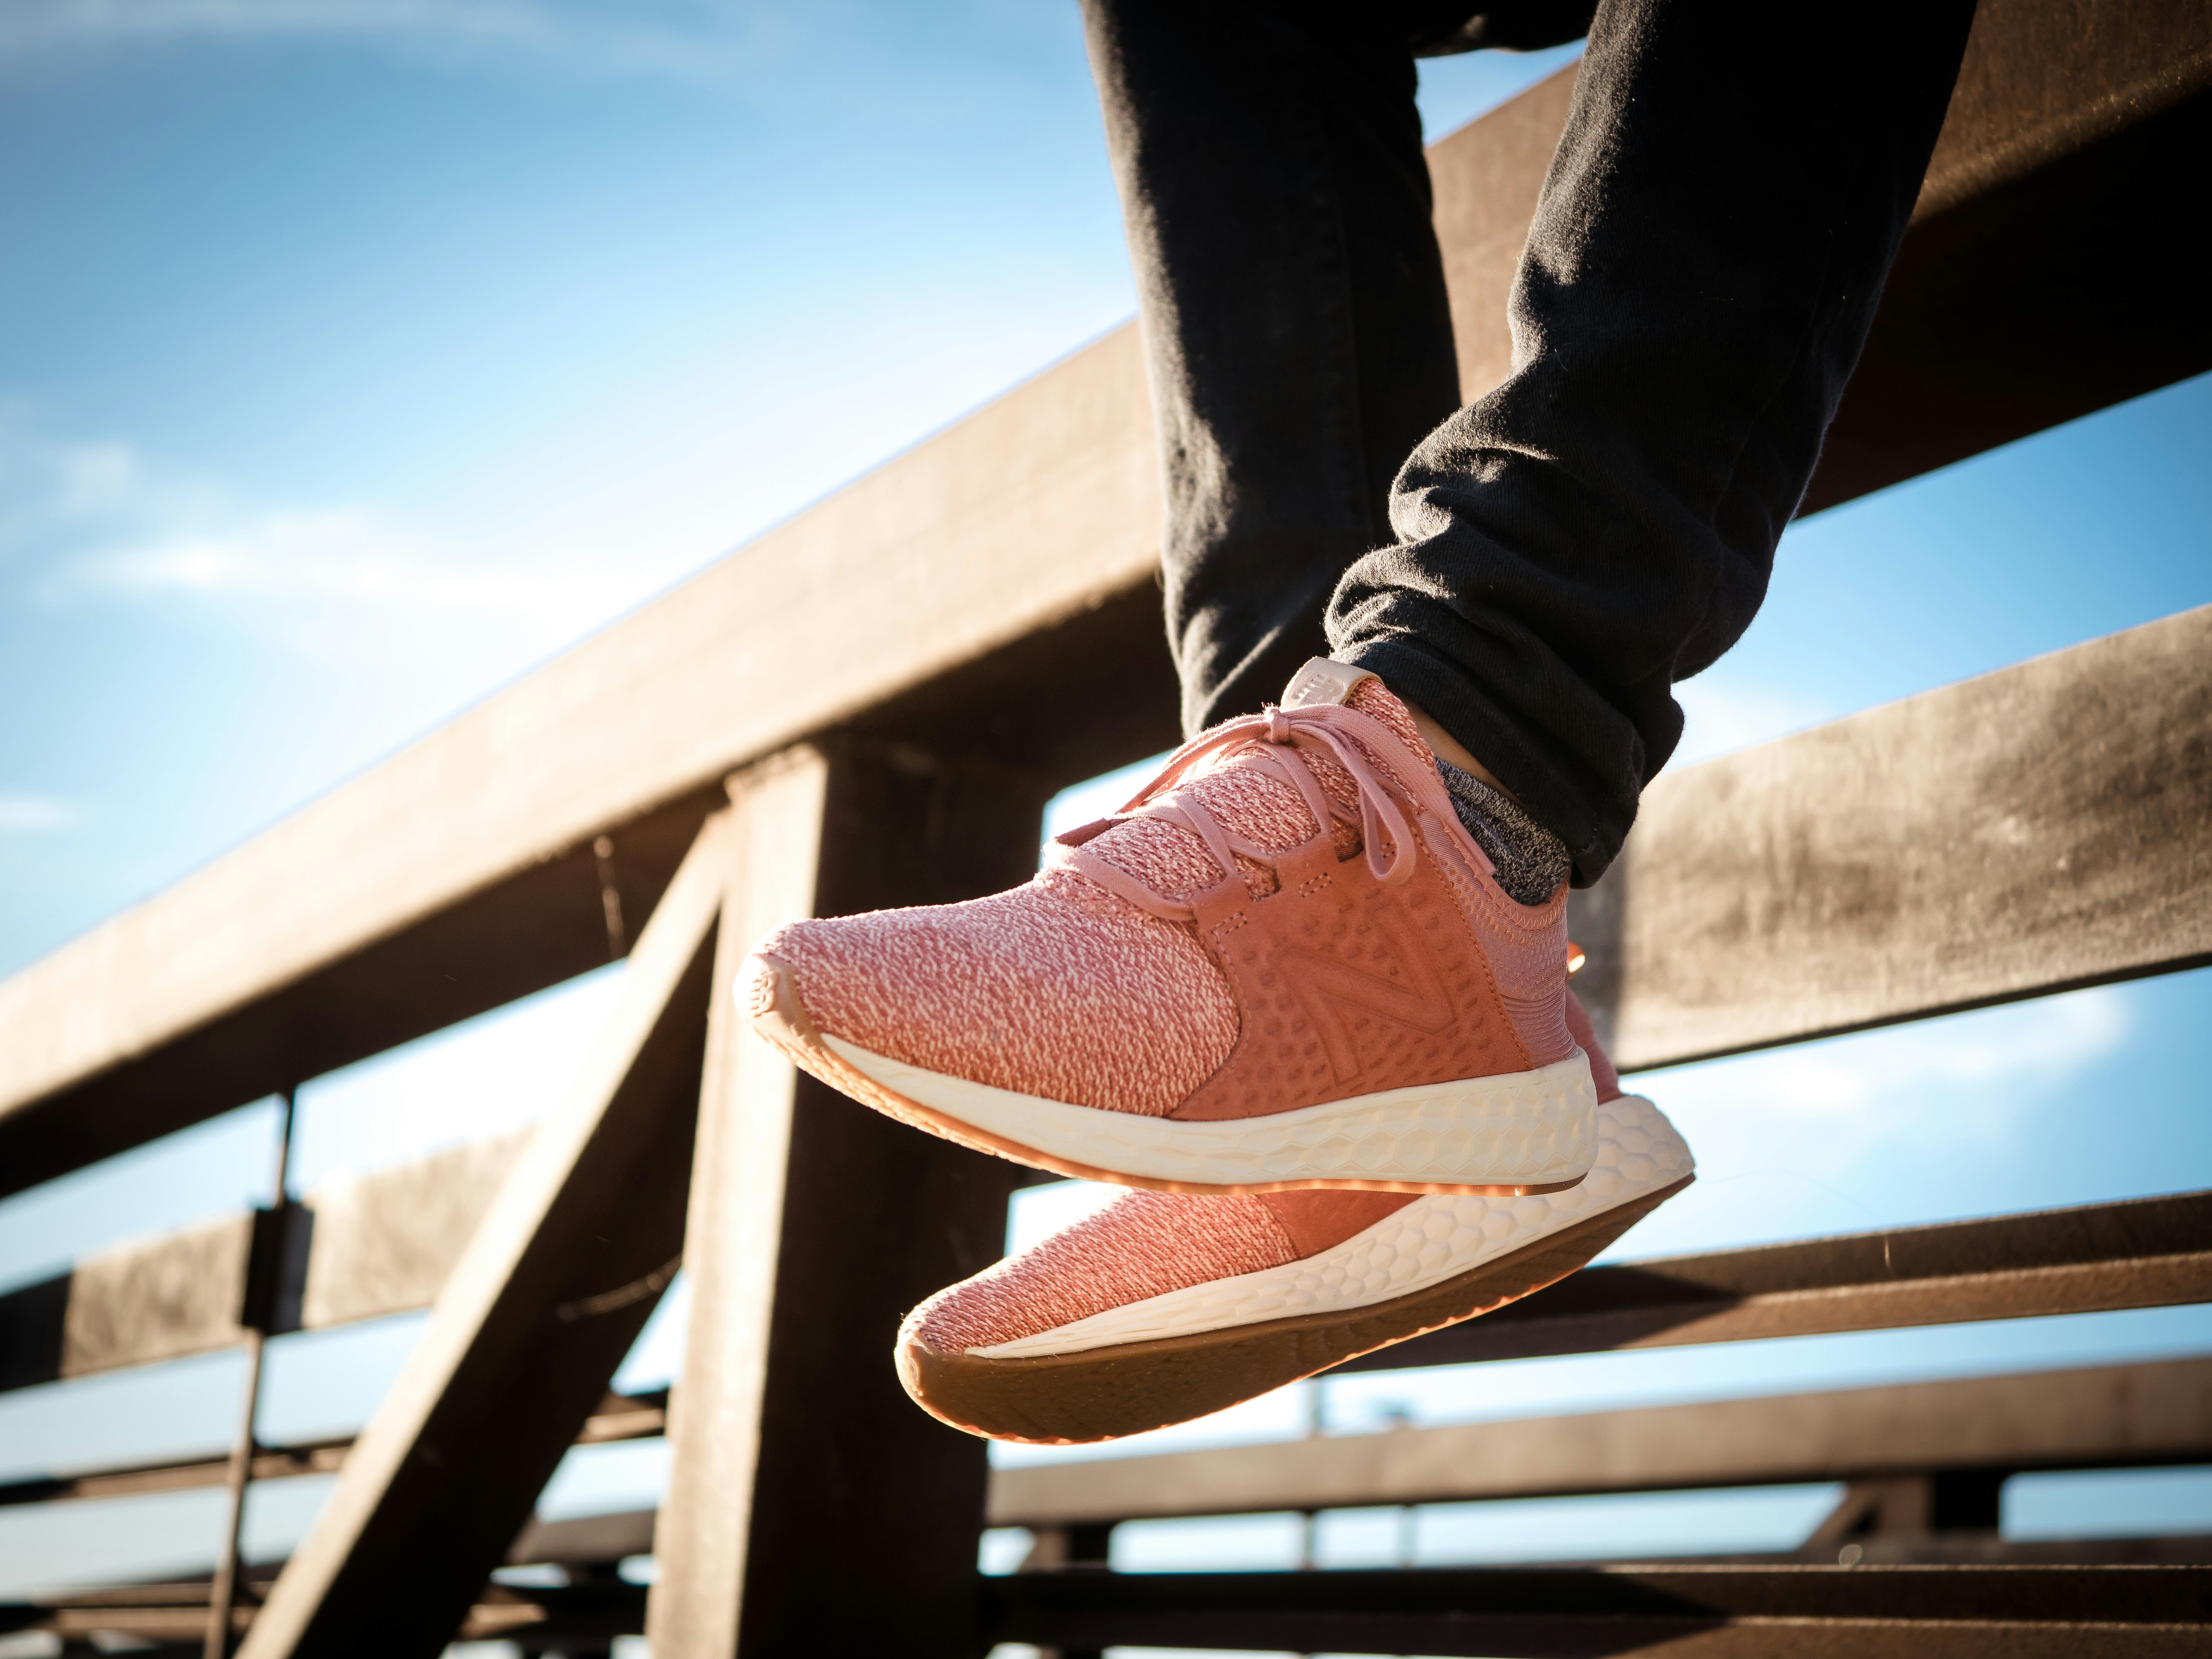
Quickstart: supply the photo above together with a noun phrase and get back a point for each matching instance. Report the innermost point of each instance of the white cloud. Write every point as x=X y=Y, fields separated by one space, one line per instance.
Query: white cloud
x=2027 y=1049
x=57 y=496
x=341 y=559
x=1909 y=1123
x=92 y=479
x=101 y=522
x=29 y=814
x=692 y=39
x=1721 y=716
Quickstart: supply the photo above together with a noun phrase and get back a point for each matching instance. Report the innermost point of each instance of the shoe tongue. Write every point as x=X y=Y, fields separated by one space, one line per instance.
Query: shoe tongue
x=1374 y=699
x=1253 y=805
x=1324 y=681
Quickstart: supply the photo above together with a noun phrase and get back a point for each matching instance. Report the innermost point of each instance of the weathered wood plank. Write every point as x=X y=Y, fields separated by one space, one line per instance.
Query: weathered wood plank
x=581 y=1616
x=456 y=875
x=383 y=1242
x=1682 y=1612
x=2092 y=1258
x=2136 y=1253
x=162 y=1299
x=2042 y=82
x=134 y=1303
x=2045 y=826
x=2047 y=272
x=588 y=1540
x=1487 y=178
x=358 y=1248
x=2104 y=1417
x=817 y=1254
x=1685 y=1611
x=619 y=1417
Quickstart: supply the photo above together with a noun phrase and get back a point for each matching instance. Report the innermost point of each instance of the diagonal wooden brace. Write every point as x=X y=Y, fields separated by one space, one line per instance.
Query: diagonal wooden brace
x=547 y=1298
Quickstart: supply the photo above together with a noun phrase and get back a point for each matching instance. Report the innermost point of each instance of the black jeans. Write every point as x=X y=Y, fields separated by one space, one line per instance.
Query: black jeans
x=1536 y=569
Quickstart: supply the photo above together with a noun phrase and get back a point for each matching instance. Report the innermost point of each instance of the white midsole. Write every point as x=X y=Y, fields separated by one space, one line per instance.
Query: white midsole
x=1431 y=1239
x=1523 y=1129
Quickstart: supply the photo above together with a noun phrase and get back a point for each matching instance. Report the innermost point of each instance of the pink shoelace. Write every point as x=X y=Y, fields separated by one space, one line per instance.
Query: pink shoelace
x=1275 y=737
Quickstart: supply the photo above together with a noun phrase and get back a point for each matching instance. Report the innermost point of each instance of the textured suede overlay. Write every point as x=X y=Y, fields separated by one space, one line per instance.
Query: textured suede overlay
x=1348 y=988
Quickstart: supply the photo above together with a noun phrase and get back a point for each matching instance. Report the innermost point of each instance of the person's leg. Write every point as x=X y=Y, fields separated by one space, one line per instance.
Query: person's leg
x=1296 y=328
x=1284 y=989
x=1299 y=342
x=1714 y=236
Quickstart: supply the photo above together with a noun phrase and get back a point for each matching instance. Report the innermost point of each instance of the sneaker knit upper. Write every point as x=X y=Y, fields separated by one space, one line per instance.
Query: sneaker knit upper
x=1059 y=989
x=1139 y=1246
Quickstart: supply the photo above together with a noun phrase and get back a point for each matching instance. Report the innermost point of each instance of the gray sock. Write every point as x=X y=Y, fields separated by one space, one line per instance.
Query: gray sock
x=1531 y=860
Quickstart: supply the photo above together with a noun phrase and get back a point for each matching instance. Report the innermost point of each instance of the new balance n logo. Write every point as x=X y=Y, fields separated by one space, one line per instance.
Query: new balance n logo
x=1327 y=987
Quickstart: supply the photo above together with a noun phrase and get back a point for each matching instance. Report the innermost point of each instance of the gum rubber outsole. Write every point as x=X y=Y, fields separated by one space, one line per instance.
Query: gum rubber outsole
x=1103 y=1393
x=779 y=1016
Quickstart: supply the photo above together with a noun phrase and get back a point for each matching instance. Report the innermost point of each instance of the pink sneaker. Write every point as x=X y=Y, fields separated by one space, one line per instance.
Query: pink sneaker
x=1162 y=1308
x=1285 y=964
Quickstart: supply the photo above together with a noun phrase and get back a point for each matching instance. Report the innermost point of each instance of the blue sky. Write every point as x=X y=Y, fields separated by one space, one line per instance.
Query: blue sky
x=378 y=350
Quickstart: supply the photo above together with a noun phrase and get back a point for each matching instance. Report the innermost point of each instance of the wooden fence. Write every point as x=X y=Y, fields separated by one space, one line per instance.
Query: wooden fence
x=946 y=644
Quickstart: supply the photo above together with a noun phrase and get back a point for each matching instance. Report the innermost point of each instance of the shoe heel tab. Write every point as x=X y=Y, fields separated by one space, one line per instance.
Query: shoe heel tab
x=1322 y=681
x=1603 y=1073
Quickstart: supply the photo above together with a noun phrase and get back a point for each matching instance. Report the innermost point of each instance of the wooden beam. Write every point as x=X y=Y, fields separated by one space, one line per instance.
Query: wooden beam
x=1969 y=1548
x=1688 y=1612
x=821 y=1224
x=734 y=1224
x=589 y=1541
x=926 y=565
x=1683 y=1612
x=549 y=1295
x=2047 y=272
x=2135 y=1253
x=459 y=874
x=359 y=1247
x=619 y=1417
x=383 y=1242
x=2102 y=1417
x=2138 y=1253
x=175 y=1296
x=2046 y=826
x=162 y=1618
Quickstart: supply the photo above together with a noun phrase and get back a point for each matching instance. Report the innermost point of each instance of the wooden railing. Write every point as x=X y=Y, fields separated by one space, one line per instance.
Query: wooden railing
x=870 y=706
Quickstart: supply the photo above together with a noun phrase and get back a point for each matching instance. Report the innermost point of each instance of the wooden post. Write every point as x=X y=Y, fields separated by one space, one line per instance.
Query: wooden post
x=812 y=1507
x=733 y=1225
